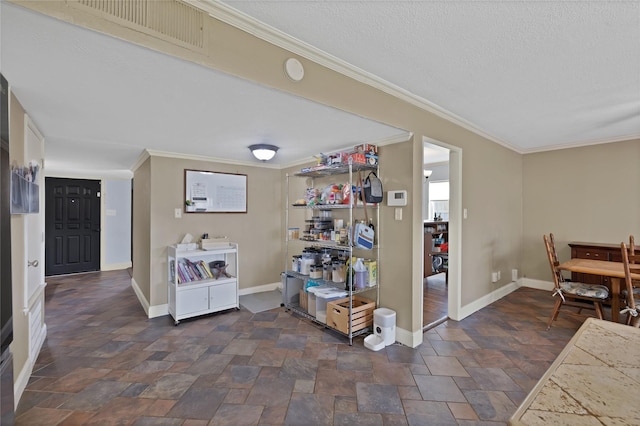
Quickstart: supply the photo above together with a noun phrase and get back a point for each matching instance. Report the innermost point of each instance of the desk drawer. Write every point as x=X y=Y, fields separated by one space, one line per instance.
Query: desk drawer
x=591 y=253
x=587 y=278
x=615 y=256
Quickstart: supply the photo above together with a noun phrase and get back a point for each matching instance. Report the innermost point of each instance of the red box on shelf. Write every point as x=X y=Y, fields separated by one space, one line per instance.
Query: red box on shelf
x=357 y=158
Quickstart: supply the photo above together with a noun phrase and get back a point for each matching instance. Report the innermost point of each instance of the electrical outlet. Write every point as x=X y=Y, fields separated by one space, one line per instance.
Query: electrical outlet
x=494 y=277
x=514 y=275
x=499 y=276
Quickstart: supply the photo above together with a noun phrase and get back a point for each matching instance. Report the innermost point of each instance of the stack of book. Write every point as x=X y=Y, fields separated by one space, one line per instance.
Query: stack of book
x=189 y=271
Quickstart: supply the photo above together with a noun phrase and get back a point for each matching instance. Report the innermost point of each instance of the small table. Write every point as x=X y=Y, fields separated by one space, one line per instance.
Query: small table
x=593 y=381
x=614 y=270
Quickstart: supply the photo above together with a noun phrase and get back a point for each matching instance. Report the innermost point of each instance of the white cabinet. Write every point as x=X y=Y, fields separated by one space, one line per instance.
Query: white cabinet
x=202 y=281
x=317 y=233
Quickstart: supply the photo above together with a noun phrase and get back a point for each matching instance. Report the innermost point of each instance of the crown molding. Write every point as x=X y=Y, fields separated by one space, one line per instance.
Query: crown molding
x=141 y=159
x=88 y=174
x=156 y=153
x=390 y=140
x=250 y=25
x=583 y=144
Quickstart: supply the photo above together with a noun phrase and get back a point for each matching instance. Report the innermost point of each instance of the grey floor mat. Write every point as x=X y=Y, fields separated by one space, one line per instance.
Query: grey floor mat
x=259 y=302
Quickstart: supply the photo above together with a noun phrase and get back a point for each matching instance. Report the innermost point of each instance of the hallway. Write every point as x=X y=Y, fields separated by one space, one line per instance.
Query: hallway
x=105 y=362
x=434 y=300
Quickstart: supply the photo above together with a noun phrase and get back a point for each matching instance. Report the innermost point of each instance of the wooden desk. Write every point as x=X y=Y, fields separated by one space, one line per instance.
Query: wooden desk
x=594 y=251
x=604 y=268
x=593 y=381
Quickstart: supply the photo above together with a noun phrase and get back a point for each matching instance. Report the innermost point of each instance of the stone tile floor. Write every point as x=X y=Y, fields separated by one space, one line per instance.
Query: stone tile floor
x=105 y=363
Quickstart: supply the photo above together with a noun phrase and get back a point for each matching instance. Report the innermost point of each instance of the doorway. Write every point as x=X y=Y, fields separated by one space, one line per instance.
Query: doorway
x=435 y=235
x=72 y=226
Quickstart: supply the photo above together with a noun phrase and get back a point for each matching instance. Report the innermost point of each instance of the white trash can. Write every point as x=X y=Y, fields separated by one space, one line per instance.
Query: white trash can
x=384 y=325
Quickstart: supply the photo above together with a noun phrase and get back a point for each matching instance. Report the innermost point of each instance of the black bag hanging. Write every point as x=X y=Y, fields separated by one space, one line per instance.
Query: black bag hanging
x=372 y=188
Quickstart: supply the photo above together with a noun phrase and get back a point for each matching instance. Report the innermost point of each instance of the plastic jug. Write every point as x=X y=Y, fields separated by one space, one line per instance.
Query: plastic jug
x=360 y=274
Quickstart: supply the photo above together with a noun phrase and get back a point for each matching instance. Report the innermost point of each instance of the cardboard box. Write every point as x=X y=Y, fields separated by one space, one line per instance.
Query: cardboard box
x=372 y=269
x=361 y=314
x=366 y=148
x=357 y=158
x=304 y=304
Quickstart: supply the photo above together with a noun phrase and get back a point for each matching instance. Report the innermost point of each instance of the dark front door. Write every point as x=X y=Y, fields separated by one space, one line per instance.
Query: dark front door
x=72 y=225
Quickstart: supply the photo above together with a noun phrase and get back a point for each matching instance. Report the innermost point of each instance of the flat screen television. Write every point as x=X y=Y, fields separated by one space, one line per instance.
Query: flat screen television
x=6 y=322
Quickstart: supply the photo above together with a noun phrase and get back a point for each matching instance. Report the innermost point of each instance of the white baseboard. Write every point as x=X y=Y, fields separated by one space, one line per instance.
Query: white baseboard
x=158 y=311
x=408 y=338
x=259 y=289
x=539 y=284
x=143 y=301
x=151 y=311
x=22 y=379
x=495 y=295
x=21 y=382
x=116 y=266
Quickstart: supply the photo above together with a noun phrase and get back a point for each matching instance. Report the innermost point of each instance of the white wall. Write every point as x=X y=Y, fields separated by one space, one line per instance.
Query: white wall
x=117 y=224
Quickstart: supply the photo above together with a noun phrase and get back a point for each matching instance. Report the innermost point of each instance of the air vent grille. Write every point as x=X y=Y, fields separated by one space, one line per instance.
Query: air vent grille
x=171 y=18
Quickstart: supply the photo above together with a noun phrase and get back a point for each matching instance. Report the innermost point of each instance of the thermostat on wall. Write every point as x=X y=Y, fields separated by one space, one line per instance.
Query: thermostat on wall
x=397 y=198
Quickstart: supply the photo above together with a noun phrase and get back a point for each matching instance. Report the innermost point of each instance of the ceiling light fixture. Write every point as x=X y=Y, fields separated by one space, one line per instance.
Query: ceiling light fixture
x=263 y=151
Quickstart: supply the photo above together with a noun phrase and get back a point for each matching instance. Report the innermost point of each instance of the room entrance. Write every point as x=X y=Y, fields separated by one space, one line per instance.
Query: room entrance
x=436 y=235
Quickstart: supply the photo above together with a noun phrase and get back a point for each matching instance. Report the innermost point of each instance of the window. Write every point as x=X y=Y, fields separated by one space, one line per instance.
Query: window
x=439 y=199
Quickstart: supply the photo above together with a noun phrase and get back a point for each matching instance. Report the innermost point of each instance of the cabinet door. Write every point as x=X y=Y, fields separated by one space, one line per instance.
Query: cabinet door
x=222 y=295
x=192 y=300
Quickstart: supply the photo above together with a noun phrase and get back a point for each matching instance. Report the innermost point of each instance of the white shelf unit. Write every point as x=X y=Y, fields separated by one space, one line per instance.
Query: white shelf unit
x=201 y=295
x=295 y=246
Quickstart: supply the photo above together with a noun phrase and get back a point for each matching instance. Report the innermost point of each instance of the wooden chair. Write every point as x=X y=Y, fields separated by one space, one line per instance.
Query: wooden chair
x=633 y=258
x=575 y=294
x=631 y=263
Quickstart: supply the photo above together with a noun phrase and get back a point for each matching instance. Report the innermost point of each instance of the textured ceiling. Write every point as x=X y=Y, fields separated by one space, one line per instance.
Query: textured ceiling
x=535 y=75
x=100 y=102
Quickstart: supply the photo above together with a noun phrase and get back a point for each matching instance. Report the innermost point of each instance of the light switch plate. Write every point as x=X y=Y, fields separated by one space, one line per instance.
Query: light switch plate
x=398 y=213
x=178 y=213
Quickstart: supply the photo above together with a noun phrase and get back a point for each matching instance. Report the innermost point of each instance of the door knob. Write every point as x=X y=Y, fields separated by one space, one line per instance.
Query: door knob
x=33 y=263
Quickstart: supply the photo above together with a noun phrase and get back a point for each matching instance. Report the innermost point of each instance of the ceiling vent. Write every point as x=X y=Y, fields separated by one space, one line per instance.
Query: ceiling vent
x=172 y=18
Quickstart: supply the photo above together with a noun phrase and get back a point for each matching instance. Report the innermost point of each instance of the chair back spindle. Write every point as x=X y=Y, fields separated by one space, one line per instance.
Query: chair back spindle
x=631 y=263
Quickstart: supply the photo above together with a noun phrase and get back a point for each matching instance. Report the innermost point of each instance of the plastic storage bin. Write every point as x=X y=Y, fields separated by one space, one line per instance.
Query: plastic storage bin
x=322 y=298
